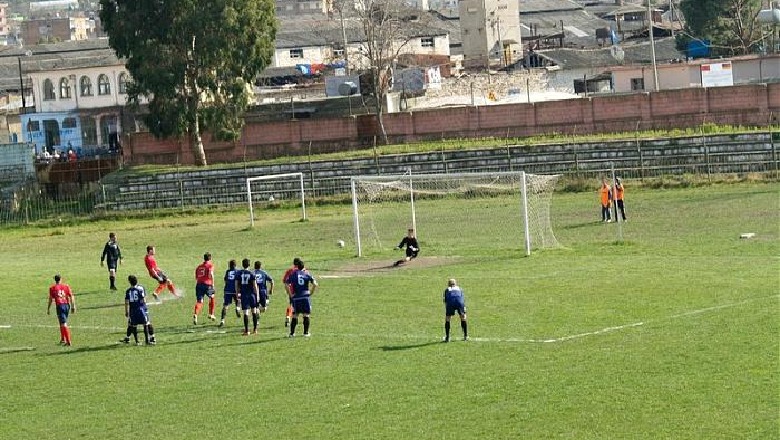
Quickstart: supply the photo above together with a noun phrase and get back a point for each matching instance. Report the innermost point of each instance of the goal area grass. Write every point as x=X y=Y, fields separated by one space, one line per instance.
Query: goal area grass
x=662 y=327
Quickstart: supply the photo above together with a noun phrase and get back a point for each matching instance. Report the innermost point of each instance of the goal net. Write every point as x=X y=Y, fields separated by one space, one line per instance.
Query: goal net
x=454 y=213
x=275 y=189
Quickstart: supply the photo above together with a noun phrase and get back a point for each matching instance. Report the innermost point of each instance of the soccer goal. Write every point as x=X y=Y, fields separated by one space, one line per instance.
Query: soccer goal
x=275 y=188
x=453 y=213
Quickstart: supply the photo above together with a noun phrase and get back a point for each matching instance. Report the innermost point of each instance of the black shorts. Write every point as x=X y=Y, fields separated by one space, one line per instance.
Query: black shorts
x=412 y=254
x=111 y=264
x=161 y=277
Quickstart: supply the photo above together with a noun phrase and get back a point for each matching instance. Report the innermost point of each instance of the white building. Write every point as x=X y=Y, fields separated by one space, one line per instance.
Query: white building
x=79 y=97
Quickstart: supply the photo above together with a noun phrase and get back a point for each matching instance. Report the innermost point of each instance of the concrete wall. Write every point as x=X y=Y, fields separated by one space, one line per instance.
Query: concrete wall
x=16 y=163
x=756 y=152
x=752 y=105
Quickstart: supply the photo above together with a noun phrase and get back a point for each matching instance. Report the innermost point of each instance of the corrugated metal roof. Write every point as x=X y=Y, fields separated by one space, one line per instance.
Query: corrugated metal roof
x=639 y=53
x=579 y=26
x=311 y=31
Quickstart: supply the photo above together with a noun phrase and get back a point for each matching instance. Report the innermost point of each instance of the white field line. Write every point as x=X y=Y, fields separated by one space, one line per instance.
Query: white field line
x=428 y=337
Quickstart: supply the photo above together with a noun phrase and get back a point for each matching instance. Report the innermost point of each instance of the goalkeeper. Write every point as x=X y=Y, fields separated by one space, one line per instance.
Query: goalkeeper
x=412 y=247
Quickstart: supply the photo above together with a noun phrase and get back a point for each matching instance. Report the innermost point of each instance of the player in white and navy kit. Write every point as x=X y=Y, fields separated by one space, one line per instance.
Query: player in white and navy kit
x=137 y=313
x=454 y=302
x=265 y=285
x=302 y=287
x=246 y=286
x=230 y=291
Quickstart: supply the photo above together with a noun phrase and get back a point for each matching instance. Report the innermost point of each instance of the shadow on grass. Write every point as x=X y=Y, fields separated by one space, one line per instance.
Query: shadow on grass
x=407 y=346
x=252 y=339
x=94 y=292
x=100 y=306
x=582 y=225
x=87 y=349
x=10 y=350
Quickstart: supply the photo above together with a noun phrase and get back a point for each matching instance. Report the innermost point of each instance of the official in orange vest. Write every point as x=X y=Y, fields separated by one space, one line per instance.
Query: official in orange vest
x=619 y=190
x=605 y=193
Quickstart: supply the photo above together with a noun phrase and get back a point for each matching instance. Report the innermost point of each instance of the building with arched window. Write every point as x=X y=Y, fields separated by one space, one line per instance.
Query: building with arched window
x=79 y=91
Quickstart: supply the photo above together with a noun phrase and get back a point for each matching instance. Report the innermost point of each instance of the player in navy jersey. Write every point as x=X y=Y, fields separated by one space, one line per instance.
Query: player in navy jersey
x=302 y=287
x=112 y=256
x=246 y=286
x=229 y=292
x=454 y=302
x=265 y=285
x=412 y=247
x=137 y=313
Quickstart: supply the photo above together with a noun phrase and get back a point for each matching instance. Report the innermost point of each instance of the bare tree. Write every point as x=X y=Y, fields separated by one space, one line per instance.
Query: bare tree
x=386 y=32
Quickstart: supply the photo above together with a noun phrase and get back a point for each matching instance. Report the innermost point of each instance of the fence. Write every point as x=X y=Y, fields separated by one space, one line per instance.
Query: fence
x=701 y=157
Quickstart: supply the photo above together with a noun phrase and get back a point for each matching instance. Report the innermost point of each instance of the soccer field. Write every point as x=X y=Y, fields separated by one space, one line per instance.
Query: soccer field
x=665 y=328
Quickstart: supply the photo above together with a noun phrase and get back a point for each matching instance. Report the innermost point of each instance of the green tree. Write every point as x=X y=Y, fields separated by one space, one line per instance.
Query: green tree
x=729 y=25
x=193 y=61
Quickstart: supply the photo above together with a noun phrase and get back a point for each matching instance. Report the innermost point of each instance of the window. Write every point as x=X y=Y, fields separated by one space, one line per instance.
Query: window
x=296 y=53
x=104 y=87
x=64 y=88
x=33 y=126
x=122 y=86
x=85 y=85
x=48 y=90
x=88 y=131
x=69 y=123
x=426 y=42
x=637 y=83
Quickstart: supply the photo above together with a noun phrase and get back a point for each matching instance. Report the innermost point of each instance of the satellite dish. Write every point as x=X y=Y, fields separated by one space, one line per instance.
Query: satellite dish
x=347 y=88
x=617 y=53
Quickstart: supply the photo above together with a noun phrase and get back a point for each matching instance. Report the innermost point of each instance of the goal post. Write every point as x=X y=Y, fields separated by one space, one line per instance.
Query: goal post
x=454 y=212
x=286 y=187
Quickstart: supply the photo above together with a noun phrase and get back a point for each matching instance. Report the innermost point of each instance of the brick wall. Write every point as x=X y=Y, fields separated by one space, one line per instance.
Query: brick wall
x=739 y=105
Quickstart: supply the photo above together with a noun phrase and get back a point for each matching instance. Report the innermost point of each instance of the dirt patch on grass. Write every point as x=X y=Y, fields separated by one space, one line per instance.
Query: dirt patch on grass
x=369 y=268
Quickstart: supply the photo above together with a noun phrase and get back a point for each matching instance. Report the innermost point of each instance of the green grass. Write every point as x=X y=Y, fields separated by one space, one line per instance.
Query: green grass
x=668 y=329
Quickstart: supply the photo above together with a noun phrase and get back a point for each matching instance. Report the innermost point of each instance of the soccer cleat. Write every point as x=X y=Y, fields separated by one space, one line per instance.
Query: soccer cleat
x=465 y=338
x=245 y=333
x=306 y=335
x=156 y=296
x=67 y=344
x=291 y=335
x=222 y=323
x=152 y=342
x=112 y=287
x=212 y=318
x=445 y=339
x=254 y=332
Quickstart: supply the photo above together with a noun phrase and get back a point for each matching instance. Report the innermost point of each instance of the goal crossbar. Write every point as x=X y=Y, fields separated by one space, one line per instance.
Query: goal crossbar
x=249 y=194
x=521 y=204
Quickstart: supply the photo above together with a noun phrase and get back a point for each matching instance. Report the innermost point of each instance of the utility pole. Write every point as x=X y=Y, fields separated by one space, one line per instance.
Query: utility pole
x=21 y=85
x=652 y=44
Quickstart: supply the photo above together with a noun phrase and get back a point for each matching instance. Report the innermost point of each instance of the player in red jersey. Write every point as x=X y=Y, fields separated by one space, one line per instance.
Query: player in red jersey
x=288 y=313
x=62 y=297
x=156 y=273
x=204 y=286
